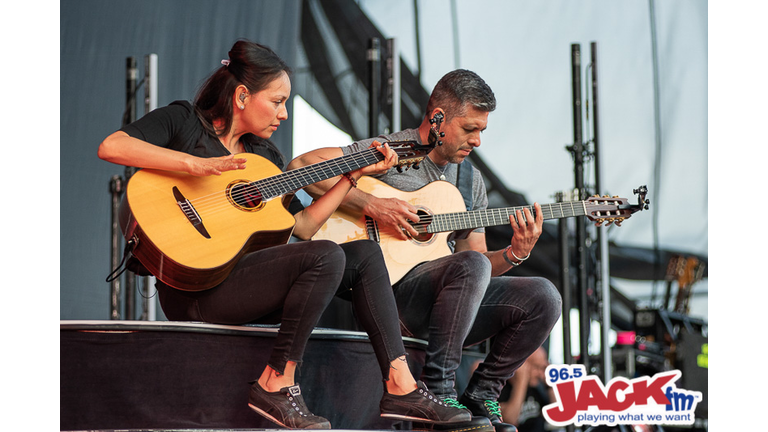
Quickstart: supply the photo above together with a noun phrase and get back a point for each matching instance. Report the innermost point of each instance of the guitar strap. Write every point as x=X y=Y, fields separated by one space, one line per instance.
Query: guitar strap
x=464 y=182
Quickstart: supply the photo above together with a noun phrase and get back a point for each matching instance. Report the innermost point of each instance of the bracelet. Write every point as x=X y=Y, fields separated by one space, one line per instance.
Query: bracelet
x=516 y=257
x=509 y=261
x=351 y=179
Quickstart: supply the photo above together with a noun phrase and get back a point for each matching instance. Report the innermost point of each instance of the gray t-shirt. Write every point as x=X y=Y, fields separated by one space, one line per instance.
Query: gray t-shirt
x=413 y=179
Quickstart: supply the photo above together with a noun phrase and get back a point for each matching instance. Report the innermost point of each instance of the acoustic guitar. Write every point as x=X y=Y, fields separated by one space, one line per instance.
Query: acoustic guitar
x=189 y=231
x=441 y=211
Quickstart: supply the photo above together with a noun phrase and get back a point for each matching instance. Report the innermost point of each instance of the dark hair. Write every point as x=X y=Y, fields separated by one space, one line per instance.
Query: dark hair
x=460 y=88
x=251 y=64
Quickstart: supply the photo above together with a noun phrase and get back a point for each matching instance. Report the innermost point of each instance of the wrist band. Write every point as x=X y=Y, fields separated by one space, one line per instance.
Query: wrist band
x=509 y=261
x=350 y=178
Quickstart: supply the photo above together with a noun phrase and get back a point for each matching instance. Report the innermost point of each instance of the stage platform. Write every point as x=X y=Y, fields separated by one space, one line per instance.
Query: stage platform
x=184 y=376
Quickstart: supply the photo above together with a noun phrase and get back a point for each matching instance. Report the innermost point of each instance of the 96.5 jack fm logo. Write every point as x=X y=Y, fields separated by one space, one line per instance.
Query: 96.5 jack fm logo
x=585 y=400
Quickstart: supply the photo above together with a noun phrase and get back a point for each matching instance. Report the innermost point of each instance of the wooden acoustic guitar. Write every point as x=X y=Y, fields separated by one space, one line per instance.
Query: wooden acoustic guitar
x=189 y=231
x=441 y=210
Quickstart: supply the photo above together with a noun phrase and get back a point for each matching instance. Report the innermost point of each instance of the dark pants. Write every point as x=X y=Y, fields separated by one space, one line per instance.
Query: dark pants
x=295 y=281
x=517 y=314
x=366 y=284
x=453 y=302
x=293 y=284
x=438 y=301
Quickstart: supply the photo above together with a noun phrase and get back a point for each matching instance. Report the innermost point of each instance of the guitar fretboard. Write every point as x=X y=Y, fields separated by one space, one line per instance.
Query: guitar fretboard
x=296 y=179
x=491 y=217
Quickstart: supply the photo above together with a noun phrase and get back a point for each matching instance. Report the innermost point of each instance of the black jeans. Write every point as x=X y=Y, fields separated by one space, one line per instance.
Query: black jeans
x=438 y=301
x=517 y=314
x=294 y=282
x=366 y=284
x=453 y=302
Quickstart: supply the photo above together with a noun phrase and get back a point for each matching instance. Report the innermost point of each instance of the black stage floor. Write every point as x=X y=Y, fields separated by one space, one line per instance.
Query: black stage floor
x=182 y=376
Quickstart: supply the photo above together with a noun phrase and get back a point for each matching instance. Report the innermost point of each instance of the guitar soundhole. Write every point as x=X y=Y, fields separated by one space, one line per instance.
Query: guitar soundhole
x=425 y=219
x=244 y=195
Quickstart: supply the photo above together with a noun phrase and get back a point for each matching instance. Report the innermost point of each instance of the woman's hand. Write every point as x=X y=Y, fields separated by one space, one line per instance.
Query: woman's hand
x=390 y=159
x=214 y=166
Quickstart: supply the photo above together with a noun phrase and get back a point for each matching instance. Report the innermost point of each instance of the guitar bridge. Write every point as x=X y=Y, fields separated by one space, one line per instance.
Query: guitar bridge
x=372 y=229
x=189 y=211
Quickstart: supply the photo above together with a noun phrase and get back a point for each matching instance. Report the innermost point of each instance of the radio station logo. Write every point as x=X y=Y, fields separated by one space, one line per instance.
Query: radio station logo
x=584 y=400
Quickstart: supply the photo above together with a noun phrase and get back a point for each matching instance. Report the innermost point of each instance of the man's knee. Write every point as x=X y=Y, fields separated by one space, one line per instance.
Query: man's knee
x=548 y=298
x=473 y=265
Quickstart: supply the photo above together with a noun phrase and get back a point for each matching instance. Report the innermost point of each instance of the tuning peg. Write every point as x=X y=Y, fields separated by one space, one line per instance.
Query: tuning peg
x=399 y=169
x=416 y=165
x=439 y=143
x=442 y=134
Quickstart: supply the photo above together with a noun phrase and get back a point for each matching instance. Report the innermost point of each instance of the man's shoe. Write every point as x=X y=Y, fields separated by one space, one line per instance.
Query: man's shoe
x=421 y=405
x=489 y=409
x=285 y=407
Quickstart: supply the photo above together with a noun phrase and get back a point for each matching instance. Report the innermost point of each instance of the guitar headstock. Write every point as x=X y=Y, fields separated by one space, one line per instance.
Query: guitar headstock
x=434 y=131
x=409 y=153
x=614 y=209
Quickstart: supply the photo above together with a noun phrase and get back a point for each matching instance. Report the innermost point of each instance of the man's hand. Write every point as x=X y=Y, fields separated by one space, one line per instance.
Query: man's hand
x=527 y=231
x=393 y=215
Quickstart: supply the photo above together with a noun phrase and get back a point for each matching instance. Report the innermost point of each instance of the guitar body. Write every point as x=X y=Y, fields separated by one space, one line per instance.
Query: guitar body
x=194 y=247
x=400 y=255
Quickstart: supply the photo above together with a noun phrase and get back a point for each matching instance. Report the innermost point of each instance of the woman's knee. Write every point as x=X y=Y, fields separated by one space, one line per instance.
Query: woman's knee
x=362 y=251
x=327 y=249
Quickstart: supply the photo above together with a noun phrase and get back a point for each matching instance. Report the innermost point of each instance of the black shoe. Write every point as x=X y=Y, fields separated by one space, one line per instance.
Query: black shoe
x=489 y=409
x=285 y=407
x=477 y=424
x=421 y=405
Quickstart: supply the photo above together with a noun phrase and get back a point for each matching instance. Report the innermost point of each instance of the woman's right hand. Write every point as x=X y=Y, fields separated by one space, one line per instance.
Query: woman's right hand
x=214 y=166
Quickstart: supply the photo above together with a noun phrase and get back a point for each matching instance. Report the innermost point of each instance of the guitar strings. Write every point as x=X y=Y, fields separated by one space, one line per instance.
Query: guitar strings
x=277 y=185
x=363 y=158
x=490 y=217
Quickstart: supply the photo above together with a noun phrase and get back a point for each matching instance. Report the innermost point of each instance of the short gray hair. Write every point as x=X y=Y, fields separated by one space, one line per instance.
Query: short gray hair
x=460 y=88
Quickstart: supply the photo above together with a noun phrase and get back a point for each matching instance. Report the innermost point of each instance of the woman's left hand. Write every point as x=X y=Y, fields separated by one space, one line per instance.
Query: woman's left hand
x=390 y=159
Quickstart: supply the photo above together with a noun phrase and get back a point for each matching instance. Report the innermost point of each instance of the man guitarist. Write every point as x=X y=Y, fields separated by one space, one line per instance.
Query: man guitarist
x=460 y=299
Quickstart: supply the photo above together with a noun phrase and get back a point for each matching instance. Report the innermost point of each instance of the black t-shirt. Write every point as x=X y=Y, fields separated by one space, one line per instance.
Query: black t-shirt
x=178 y=127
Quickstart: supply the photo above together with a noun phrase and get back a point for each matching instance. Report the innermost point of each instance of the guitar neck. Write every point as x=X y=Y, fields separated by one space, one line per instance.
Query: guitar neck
x=296 y=179
x=491 y=217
